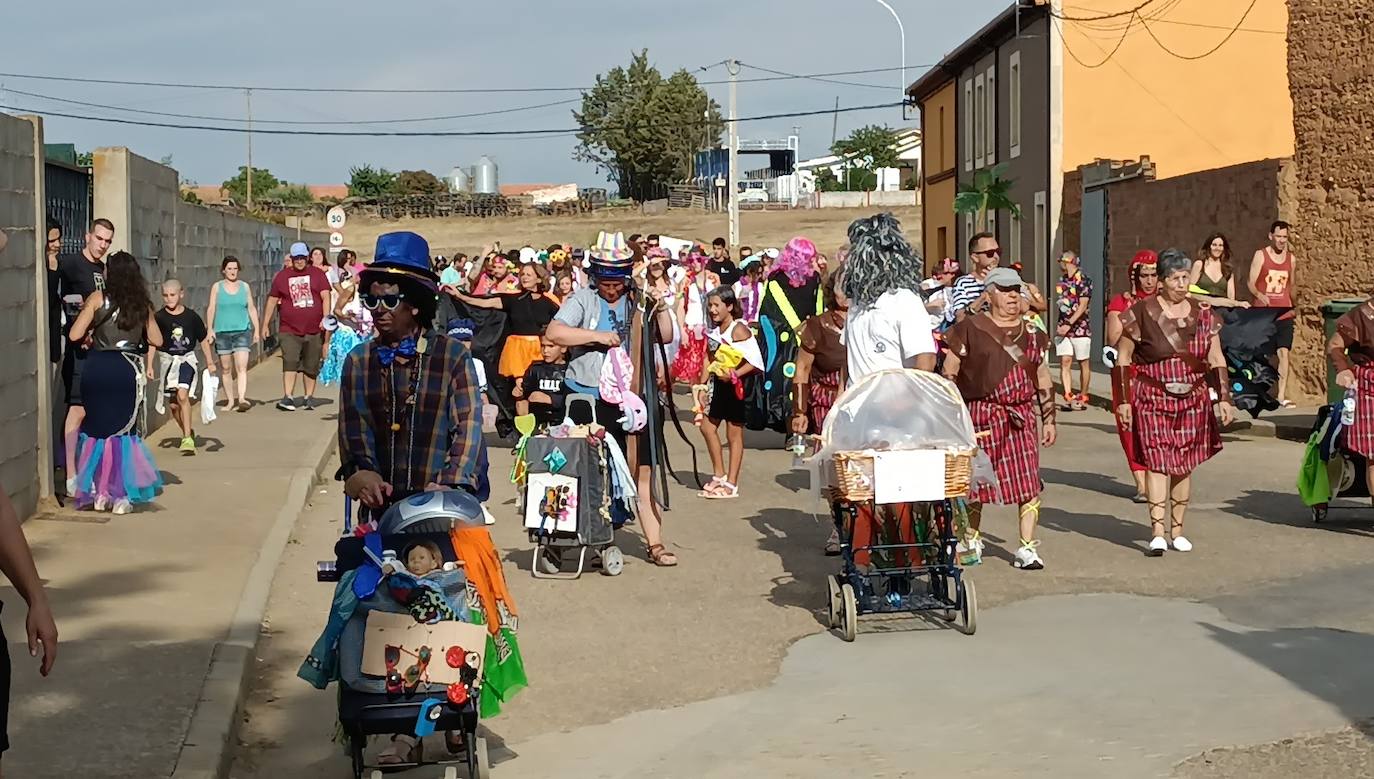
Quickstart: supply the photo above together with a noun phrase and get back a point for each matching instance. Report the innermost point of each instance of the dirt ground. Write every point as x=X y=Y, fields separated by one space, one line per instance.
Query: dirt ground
x=757 y=228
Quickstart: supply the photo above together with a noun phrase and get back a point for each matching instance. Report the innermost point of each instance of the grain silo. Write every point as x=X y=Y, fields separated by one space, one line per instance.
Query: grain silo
x=484 y=179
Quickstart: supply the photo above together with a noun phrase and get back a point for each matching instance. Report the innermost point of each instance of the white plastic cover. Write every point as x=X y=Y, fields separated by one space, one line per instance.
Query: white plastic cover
x=897 y=409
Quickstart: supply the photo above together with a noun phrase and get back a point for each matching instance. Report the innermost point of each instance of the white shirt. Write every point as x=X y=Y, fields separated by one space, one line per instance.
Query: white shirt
x=887 y=334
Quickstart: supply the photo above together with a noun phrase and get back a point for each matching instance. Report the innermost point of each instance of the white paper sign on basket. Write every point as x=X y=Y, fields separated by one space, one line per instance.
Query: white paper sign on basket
x=909 y=475
x=551 y=502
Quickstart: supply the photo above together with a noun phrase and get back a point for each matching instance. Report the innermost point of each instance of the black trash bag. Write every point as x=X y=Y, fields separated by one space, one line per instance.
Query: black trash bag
x=769 y=403
x=1249 y=345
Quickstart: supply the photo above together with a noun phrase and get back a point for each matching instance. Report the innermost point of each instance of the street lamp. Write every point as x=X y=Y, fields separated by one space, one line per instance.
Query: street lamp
x=902 y=32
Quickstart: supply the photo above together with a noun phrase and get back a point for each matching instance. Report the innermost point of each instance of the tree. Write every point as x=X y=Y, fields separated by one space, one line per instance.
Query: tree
x=190 y=196
x=263 y=181
x=864 y=151
x=85 y=159
x=644 y=130
x=290 y=194
x=827 y=182
x=418 y=182
x=367 y=181
x=988 y=192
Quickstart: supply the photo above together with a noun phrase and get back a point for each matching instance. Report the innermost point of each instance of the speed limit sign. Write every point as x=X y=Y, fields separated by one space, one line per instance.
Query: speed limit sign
x=336 y=238
x=336 y=218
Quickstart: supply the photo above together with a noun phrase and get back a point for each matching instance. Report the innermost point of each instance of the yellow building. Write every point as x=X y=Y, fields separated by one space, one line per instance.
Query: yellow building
x=1195 y=84
x=938 y=184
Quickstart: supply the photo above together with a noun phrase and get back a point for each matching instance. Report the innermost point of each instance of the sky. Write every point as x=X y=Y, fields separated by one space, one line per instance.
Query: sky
x=421 y=44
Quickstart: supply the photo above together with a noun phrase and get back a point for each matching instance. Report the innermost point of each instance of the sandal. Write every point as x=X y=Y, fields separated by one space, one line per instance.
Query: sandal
x=711 y=486
x=402 y=751
x=660 y=556
x=832 y=545
x=723 y=490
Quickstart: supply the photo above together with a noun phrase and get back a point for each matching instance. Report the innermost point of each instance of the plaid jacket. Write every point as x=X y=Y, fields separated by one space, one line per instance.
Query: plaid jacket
x=447 y=435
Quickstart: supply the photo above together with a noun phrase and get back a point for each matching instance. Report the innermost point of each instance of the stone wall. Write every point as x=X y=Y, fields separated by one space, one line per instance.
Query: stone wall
x=175 y=239
x=23 y=349
x=1180 y=212
x=1331 y=78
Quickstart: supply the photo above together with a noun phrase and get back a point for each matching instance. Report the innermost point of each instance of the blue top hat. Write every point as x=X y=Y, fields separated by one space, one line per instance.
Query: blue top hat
x=403 y=253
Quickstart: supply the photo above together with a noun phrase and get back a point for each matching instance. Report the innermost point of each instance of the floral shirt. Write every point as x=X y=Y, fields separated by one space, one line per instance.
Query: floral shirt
x=1069 y=292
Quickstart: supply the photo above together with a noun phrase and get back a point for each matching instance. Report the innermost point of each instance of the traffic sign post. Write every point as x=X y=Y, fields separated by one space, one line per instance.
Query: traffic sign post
x=336 y=218
x=336 y=238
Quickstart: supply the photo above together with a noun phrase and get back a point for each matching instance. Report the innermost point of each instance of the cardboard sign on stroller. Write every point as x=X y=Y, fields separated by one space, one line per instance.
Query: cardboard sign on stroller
x=387 y=629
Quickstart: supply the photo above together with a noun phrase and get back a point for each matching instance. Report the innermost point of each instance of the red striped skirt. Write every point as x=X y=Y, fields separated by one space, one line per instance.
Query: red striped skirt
x=1173 y=435
x=1124 y=433
x=691 y=355
x=1359 y=438
x=825 y=387
x=1013 y=445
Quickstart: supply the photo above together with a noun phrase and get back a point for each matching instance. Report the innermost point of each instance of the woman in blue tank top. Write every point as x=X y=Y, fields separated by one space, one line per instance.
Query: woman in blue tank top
x=234 y=329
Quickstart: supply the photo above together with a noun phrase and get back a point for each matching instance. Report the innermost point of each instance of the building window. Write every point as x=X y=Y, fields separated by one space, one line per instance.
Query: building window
x=980 y=121
x=1041 y=234
x=967 y=121
x=1014 y=95
x=1014 y=240
x=991 y=146
x=992 y=222
x=942 y=242
x=944 y=142
x=968 y=233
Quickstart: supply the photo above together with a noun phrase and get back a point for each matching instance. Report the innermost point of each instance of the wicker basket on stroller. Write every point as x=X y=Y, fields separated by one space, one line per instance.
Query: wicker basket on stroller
x=854 y=475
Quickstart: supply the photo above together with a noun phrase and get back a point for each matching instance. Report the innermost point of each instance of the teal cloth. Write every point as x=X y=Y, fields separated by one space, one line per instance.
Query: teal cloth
x=321 y=666
x=231 y=310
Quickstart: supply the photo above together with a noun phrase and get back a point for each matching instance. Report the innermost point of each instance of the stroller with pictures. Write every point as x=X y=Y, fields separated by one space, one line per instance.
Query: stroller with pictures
x=412 y=639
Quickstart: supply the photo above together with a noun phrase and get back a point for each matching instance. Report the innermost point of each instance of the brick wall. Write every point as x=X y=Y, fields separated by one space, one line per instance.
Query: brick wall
x=1072 y=210
x=1331 y=77
x=20 y=342
x=1180 y=212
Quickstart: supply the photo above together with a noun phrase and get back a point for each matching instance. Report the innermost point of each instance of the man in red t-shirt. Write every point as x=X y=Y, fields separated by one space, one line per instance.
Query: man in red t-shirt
x=1271 y=282
x=302 y=290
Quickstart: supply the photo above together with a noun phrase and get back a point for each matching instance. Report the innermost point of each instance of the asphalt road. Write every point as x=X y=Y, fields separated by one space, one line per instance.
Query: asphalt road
x=1245 y=658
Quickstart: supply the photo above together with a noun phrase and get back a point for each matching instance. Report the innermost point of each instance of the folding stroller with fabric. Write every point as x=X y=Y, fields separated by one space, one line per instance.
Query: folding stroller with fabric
x=1329 y=470
x=417 y=658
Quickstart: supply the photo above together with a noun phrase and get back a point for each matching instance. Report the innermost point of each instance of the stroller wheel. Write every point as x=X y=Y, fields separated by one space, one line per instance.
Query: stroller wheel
x=451 y=772
x=849 y=624
x=479 y=759
x=548 y=559
x=968 y=608
x=834 y=602
x=612 y=561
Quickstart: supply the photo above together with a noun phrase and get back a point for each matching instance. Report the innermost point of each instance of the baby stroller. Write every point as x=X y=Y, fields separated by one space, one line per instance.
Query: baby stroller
x=386 y=685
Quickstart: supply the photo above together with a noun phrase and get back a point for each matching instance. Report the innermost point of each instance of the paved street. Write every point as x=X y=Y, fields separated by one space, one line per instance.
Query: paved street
x=1105 y=663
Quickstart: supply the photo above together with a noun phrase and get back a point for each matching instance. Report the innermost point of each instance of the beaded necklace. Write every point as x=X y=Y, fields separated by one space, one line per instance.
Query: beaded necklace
x=389 y=400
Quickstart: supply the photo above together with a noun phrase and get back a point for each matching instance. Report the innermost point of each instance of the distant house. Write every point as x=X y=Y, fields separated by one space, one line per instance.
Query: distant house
x=1044 y=93
x=322 y=191
x=908 y=170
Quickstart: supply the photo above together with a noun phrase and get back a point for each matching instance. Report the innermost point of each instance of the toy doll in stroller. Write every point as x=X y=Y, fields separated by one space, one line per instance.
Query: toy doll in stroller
x=421 y=635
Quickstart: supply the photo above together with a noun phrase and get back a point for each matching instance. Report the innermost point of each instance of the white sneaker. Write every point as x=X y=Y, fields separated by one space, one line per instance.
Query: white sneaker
x=1181 y=544
x=123 y=506
x=102 y=503
x=1027 y=559
x=71 y=487
x=1157 y=546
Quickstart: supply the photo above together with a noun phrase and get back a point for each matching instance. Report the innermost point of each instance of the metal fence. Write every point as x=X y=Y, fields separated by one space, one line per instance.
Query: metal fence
x=69 y=202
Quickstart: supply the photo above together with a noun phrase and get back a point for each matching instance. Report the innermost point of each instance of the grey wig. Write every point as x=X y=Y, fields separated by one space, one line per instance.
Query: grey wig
x=880 y=259
x=1172 y=261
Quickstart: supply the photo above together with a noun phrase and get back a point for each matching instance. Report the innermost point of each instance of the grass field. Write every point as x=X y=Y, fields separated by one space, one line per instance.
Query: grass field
x=758 y=229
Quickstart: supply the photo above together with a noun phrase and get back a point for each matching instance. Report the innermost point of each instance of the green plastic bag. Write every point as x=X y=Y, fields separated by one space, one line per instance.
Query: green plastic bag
x=1314 y=481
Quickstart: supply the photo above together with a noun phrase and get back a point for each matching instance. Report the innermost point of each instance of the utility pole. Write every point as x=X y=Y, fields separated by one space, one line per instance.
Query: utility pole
x=249 y=94
x=835 y=122
x=733 y=67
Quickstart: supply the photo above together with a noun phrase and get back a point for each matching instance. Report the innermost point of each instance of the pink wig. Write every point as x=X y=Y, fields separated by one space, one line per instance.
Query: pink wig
x=797 y=261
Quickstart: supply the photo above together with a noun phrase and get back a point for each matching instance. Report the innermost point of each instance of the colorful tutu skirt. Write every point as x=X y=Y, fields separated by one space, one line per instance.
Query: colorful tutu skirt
x=519 y=353
x=690 y=356
x=112 y=461
x=343 y=342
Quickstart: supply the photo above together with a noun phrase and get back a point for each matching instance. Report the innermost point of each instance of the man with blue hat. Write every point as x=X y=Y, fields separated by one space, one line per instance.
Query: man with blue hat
x=302 y=290
x=409 y=408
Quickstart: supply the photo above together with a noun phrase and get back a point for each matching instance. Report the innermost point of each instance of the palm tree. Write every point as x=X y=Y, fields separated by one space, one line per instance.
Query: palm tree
x=988 y=192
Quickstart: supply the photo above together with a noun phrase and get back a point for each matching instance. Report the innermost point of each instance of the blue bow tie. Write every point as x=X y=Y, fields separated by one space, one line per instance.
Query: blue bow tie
x=388 y=354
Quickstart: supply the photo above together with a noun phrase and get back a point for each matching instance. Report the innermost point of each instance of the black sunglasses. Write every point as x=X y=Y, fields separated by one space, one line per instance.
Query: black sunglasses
x=990 y=252
x=386 y=302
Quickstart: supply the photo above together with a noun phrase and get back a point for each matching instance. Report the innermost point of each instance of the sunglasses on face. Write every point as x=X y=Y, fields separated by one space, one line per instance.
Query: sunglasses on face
x=385 y=302
x=997 y=252
x=1001 y=288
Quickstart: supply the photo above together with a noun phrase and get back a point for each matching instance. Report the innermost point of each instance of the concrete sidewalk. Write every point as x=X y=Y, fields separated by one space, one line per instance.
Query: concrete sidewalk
x=145 y=602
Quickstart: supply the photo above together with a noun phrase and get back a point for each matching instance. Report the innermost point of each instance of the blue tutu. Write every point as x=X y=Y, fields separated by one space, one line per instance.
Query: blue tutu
x=345 y=339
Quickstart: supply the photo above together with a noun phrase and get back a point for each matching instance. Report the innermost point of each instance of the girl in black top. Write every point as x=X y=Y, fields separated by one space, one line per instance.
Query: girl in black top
x=527 y=314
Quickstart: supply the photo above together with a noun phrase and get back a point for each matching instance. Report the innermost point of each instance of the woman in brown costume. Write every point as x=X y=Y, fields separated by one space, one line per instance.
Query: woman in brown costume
x=1177 y=391
x=1352 y=352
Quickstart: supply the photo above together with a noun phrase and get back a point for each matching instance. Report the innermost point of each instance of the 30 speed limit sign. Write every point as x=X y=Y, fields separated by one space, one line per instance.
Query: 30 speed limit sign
x=336 y=218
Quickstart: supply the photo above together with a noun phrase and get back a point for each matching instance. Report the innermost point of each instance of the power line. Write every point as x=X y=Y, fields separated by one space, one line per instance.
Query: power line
x=817 y=78
x=1103 y=17
x=1209 y=52
x=1105 y=59
x=202 y=117
x=408 y=91
x=552 y=132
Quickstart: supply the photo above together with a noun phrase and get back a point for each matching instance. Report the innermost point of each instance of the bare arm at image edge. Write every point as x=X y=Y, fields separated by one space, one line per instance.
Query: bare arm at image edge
x=16 y=562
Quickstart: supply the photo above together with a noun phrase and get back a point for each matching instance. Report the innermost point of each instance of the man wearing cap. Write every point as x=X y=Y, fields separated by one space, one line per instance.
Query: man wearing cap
x=302 y=290
x=409 y=409
x=997 y=360
x=590 y=322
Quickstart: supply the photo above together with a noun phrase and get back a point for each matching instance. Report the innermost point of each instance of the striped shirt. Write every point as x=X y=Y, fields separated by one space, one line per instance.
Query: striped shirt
x=965 y=290
x=439 y=438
